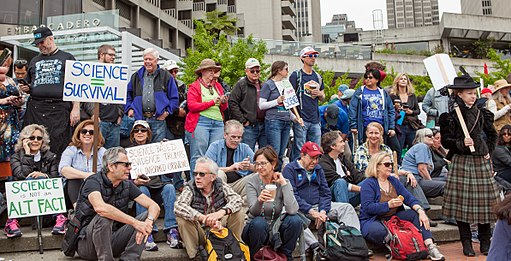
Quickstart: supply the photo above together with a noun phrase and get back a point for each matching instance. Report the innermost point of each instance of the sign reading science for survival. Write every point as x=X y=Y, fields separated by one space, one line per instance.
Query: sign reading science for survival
x=158 y=158
x=95 y=82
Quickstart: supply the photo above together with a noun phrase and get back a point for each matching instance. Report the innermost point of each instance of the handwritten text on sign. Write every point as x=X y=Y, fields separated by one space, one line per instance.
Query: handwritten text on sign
x=158 y=158
x=34 y=197
x=290 y=98
x=95 y=82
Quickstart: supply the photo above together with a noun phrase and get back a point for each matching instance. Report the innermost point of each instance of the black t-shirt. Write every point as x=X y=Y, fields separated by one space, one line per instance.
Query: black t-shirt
x=46 y=75
x=110 y=112
x=232 y=175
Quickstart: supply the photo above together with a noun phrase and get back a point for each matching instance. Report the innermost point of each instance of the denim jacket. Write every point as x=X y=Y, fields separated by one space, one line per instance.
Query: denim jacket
x=217 y=151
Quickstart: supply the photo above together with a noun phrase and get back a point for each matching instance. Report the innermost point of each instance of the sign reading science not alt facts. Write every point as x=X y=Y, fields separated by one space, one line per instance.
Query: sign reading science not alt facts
x=95 y=82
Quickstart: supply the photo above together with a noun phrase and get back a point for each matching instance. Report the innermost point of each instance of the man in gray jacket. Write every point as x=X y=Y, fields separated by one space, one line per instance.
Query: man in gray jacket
x=434 y=105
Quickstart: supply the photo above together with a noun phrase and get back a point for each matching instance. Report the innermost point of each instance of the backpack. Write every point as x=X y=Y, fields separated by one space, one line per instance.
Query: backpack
x=223 y=245
x=404 y=240
x=342 y=242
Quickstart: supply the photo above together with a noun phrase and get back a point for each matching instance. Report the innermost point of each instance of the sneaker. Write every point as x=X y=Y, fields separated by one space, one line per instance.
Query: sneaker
x=173 y=238
x=434 y=253
x=12 y=228
x=60 y=225
x=150 y=245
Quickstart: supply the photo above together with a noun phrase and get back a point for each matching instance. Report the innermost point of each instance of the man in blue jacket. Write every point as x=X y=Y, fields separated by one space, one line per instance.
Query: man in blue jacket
x=152 y=95
x=233 y=157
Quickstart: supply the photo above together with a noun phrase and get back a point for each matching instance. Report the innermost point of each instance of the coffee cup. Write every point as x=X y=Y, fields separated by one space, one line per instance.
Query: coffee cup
x=273 y=191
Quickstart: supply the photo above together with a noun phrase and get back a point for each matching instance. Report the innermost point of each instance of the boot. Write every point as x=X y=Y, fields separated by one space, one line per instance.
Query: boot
x=466 y=238
x=484 y=237
x=467 y=248
x=485 y=246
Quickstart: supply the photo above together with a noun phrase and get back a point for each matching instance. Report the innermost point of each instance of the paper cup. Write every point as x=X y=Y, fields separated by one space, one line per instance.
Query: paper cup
x=273 y=191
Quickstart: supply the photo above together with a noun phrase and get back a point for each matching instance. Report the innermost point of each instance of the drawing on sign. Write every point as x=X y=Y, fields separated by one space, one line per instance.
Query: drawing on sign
x=290 y=98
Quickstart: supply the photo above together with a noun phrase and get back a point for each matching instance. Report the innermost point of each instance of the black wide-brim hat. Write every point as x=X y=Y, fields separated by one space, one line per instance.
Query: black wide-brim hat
x=464 y=82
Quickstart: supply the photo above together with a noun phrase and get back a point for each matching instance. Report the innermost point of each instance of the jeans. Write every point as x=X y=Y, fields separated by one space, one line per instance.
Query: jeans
x=407 y=136
x=416 y=192
x=206 y=132
x=255 y=234
x=158 y=128
x=277 y=134
x=431 y=188
x=111 y=133
x=310 y=132
x=340 y=192
x=168 y=196
x=254 y=133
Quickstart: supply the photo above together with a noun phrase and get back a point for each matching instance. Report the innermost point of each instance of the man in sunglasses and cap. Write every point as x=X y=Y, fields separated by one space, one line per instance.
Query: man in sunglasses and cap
x=207 y=201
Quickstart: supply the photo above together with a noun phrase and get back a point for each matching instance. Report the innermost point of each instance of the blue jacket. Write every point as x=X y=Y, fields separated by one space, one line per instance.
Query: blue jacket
x=342 y=121
x=355 y=115
x=217 y=151
x=371 y=207
x=308 y=193
x=164 y=101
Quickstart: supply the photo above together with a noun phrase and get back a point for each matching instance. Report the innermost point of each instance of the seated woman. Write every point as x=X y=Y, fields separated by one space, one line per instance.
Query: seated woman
x=501 y=240
x=380 y=201
x=264 y=209
x=76 y=161
x=33 y=159
x=440 y=163
x=159 y=190
x=502 y=154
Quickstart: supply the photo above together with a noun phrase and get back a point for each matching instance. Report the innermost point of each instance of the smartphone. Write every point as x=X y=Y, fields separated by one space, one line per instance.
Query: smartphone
x=144 y=177
x=405 y=106
x=6 y=53
x=22 y=81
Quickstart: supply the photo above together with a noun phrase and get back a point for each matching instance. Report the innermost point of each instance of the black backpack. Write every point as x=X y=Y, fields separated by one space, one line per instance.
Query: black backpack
x=341 y=242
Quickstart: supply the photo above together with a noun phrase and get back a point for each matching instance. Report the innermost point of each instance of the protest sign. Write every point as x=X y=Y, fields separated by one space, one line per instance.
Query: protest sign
x=158 y=158
x=95 y=82
x=440 y=70
x=36 y=197
x=290 y=98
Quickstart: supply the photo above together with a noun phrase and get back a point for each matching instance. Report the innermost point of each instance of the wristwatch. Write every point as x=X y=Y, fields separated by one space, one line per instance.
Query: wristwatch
x=226 y=210
x=150 y=218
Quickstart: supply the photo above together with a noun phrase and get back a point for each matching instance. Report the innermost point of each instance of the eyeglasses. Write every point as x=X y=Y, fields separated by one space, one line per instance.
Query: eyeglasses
x=143 y=130
x=253 y=71
x=368 y=77
x=311 y=55
x=210 y=89
x=386 y=164
x=429 y=136
x=21 y=62
x=110 y=54
x=39 y=138
x=174 y=71
x=85 y=131
x=234 y=137
x=261 y=163
x=201 y=174
x=126 y=164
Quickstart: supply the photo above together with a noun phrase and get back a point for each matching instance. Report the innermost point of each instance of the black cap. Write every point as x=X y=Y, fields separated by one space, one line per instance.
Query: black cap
x=332 y=112
x=40 y=34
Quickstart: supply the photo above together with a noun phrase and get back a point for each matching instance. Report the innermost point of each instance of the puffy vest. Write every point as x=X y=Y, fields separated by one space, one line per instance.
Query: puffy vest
x=199 y=201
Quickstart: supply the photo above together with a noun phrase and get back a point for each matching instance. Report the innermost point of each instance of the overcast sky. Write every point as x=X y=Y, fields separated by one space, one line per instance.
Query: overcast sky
x=361 y=10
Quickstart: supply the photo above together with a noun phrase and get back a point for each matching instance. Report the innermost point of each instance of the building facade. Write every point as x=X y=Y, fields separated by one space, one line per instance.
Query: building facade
x=412 y=13
x=338 y=26
x=498 y=8
x=308 y=20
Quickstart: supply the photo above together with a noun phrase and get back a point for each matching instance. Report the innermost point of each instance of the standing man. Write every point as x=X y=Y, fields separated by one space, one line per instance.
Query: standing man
x=244 y=105
x=46 y=82
x=308 y=85
x=152 y=95
x=176 y=122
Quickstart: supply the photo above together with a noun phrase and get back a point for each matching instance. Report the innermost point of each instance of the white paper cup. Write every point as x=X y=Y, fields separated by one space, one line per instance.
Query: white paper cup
x=273 y=191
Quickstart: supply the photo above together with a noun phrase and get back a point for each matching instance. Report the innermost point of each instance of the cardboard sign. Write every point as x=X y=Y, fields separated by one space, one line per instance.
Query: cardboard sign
x=290 y=98
x=440 y=70
x=36 y=197
x=95 y=82
x=158 y=158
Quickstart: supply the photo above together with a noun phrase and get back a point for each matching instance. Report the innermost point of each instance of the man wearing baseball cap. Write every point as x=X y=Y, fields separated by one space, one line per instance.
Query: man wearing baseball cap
x=244 y=105
x=308 y=84
x=333 y=118
x=176 y=122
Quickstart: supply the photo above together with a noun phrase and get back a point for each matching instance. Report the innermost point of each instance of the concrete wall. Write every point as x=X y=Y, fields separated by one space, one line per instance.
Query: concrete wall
x=261 y=20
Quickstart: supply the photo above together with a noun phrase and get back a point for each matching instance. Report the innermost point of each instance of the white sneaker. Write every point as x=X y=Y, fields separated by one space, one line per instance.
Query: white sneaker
x=434 y=253
x=150 y=245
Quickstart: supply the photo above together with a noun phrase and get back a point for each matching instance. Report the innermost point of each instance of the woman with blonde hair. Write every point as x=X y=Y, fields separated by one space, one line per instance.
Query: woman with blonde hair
x=374 y=144
x=500 y=104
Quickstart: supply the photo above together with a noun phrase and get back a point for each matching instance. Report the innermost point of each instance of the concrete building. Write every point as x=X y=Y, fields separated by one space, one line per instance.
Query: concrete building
x=337 y=27
x=499 y=8
x=412 y=13
x=308 y=20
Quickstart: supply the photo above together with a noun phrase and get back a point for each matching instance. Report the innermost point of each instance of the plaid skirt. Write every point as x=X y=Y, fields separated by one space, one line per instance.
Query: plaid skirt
x=470 y=192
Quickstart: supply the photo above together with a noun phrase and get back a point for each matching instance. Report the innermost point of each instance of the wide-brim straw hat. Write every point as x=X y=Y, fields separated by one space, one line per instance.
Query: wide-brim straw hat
x=500 y=84
x=207 y=64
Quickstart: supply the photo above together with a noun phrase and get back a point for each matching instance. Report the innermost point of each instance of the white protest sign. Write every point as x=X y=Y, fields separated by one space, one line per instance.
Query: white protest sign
x=95 y=82
x=158 y=158
x=36 y=197
x=290 y=98
x=440 y=70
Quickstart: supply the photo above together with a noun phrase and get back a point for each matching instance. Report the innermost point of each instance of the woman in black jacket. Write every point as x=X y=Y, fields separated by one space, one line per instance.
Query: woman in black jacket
x=502 y=154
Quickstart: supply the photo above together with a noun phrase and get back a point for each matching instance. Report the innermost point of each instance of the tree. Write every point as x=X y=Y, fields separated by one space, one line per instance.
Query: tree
x=217 y=22
x=502 y=67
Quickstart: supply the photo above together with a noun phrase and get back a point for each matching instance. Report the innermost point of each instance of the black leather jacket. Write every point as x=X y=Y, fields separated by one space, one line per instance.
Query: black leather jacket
x=22 y=164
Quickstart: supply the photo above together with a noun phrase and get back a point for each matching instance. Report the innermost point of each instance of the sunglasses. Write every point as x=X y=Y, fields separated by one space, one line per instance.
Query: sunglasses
x=143 y=130
x=253 y=71
x=369 y=77
x=39 y=138
x=201 y=174
x=20 y=62
x=174 y=71
x=386 y=164
x=84 y=131
x=126 y=164
x=506 y=134
x=429 y=135
x=311 y=55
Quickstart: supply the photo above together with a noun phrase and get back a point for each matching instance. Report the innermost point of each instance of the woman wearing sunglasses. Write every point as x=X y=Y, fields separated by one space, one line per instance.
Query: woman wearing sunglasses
x=383 y=196
x=32 y=160
x=502 y=155
x=76 y=162
x=206 y=103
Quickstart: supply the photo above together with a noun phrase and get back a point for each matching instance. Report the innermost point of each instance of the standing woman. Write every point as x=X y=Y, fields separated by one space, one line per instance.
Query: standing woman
x=470 y=192
x=402 y=89
x=206 y=101
x=500 y=104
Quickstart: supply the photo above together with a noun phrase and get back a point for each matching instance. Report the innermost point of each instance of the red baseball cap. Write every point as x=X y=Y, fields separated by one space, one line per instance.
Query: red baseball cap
x=486 y=90
x=312 y=149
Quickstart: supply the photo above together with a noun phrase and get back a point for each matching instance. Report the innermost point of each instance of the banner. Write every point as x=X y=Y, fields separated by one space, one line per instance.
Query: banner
x=158 y=158
x=96 y=82
x=36 y=197
x=290 y=98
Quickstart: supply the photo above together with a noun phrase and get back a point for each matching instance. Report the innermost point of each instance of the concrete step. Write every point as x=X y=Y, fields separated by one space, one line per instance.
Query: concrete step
x=435 y=212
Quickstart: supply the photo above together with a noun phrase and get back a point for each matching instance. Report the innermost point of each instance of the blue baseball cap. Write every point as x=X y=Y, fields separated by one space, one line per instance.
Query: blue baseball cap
x=342 y=88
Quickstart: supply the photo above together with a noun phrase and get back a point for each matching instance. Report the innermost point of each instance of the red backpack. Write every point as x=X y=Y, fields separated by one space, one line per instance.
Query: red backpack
x=404 y=240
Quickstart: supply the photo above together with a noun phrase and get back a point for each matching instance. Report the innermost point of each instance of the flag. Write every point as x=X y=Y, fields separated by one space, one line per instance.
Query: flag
x=485 y=69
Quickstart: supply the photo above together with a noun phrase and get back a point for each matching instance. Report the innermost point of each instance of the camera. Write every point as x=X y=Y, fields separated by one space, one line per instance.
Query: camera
x=14 y=92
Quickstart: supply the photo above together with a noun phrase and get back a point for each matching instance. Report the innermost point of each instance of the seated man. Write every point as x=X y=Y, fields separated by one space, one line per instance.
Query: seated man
x=343 y=178
x=333 y=118
x=312 y=192
x=233 y=157
x=208 y=201
x=103 y=205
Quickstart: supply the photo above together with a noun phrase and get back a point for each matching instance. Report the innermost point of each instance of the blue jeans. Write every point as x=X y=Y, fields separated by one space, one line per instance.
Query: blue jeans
x=310 y=132
x=165 y=195
x=407 y=136
x=206 y=132
x=277 y=134
x=254 y=133
x=158 y=128
x=255 y=234
x=111 y=133
x=340 y=192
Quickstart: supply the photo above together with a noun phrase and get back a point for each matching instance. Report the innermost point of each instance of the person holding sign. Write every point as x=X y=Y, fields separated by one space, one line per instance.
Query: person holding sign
x=470 y=192
x=33 y=160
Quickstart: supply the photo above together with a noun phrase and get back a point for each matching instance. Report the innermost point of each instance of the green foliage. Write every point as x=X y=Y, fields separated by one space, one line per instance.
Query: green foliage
x=482 y=47
x=331 y=83
x=412 y=52
x=502 y=68
x=217 y=23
